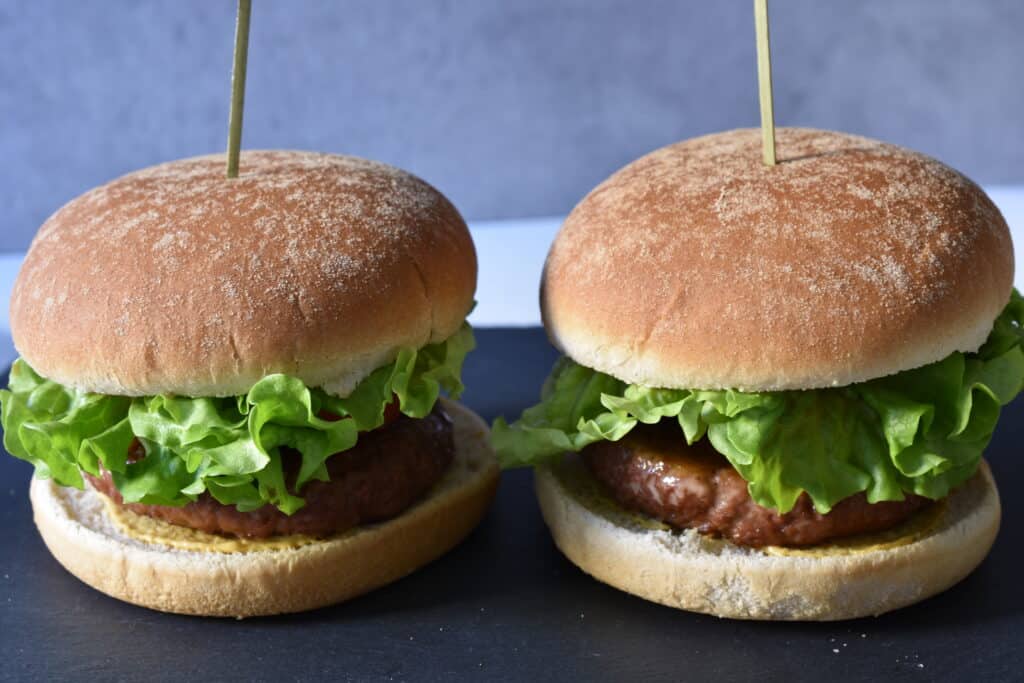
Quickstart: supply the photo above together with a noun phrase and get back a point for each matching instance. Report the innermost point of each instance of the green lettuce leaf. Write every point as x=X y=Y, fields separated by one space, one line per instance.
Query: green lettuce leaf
x=921 y=431
x=229 y=447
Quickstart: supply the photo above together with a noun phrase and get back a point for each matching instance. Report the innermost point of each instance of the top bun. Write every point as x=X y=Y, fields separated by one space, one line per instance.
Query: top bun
x=697 y=266
x=174 y=279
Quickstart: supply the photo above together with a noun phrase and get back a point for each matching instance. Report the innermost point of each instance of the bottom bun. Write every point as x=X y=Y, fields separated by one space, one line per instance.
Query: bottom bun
x=856 y=577
x=82 y=535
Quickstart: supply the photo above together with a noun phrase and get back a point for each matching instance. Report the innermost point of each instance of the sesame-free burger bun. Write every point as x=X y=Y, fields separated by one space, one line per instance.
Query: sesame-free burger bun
x=697 y=266
x=174 y=279
x=844 y=579
x=296 y=574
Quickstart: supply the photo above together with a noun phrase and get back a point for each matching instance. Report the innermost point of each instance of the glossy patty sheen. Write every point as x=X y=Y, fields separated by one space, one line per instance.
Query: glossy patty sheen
x=388 y=470
x=653 y=471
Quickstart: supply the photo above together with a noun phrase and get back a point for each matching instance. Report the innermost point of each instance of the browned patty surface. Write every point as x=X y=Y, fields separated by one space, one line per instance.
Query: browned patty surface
x=653 y=471
x=388 y=470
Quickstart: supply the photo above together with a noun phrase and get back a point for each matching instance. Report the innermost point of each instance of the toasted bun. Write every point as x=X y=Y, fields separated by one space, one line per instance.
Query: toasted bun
x=175 y=280
x=843 y=580
x=82 y=536
x=697 y=266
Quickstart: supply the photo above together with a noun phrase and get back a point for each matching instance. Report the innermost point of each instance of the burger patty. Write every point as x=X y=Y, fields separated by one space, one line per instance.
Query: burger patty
x=388 y=470
x=652 y=470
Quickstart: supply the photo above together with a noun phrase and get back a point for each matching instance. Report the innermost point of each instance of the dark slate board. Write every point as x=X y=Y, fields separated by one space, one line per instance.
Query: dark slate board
x=505 y=605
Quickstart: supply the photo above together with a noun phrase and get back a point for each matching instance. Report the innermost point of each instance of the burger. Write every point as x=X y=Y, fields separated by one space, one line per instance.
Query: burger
x=231 y=389
x=778 y=382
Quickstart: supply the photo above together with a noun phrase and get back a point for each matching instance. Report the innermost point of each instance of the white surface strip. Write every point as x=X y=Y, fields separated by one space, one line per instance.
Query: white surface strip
x=512 y=253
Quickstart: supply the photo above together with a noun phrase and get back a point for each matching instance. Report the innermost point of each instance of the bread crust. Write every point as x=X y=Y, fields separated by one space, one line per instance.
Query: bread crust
x=697 y=266
x=173 y=279
x=692 y=572
x=82 y=537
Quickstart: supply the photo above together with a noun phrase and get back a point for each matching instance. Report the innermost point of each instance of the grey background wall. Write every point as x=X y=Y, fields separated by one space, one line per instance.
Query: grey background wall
x=511 y=107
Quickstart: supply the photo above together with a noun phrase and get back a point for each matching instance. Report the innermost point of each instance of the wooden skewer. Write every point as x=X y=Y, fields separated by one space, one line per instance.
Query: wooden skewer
x=238 y=86
x=764 y=82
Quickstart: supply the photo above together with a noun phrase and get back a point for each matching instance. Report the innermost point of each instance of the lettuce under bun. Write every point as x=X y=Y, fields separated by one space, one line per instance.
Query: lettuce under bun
x=228 y=447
